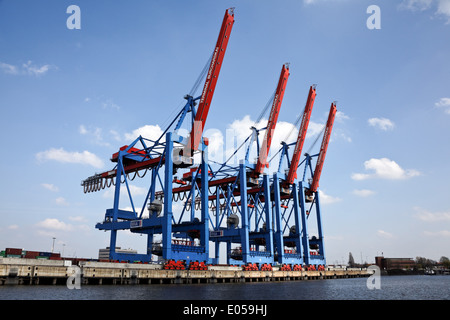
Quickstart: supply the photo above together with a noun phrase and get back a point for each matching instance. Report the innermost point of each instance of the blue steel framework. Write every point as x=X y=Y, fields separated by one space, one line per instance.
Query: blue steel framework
x=267 y=222
x=264 y=221
x=158 y=201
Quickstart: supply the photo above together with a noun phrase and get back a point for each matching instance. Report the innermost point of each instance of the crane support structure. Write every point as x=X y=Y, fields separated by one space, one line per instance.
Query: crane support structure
x=191 y=209
x=272 y=122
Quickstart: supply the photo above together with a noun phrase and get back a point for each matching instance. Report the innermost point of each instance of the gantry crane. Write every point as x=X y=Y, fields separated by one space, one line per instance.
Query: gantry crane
x=309 y=193
x=243 y=210
x=163 y=157
x=286 y=195
x=242 y=206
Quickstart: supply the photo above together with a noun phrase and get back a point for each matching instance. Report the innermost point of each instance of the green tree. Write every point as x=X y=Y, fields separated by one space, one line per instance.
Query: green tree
x=445 y=262
x=351 y=261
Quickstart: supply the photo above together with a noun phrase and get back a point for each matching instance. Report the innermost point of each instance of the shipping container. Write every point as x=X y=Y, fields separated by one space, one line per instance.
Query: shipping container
x=45 y=254
x=31 y=254
x=14 y=251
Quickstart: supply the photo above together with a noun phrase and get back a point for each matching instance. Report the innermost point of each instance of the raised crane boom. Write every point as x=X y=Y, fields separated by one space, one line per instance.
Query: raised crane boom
x=272 y=122
x=140 y=159
x=323 y=149
x=210 y=84
x=292 y=174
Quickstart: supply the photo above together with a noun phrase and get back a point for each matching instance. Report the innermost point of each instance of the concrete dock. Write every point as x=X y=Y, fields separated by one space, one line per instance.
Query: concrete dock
x=39 y=271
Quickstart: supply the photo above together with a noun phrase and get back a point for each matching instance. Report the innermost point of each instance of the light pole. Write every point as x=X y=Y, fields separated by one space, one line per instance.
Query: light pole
x=53 y=245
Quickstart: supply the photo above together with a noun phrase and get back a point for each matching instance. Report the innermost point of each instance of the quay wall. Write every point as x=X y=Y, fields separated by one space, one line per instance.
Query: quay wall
x=36 y=271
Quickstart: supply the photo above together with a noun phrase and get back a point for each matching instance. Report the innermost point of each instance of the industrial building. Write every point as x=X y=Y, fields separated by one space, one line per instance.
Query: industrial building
x=395 y=263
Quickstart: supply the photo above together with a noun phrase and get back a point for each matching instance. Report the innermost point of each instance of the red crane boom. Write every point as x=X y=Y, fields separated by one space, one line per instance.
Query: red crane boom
x=292 y=174
x=272 y=122
x=210 y=84
x=323 y=149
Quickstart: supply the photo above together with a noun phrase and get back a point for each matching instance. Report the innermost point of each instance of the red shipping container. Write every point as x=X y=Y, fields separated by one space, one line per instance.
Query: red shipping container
x=31 y=254
x=14 y=251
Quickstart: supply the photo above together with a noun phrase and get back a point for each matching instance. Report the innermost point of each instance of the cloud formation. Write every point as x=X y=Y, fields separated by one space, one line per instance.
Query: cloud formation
x=327 y=199
x=442 y=7
x=54 y=224
x=381 y=123
x=425 y=215
x=63 y=156
x=50 y=187
x=445 y=104
x=26 y=69
x=385 y=234
x=363 y=193
x=384 y=168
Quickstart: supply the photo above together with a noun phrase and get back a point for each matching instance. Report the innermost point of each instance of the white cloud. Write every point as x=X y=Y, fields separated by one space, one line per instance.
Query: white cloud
x=442 y=233
x=31 y=69
x=384 y=169
x=327 y=199
x=110 y=104
x=64 y=156
x=50 y=187
x=83 y=129
x=363 y=193
x=415 y=5
x=442 y=7
x=13 y=227
x=314 y=128
x=384 y=234
x=444 y=103
x=54 y=224
x=428 y=216
x=341 y=116
x=95 y=135
x=61 y=201
x=8 y=68
x=215 y=146
x=26 y=69
x=148 y=131
x=381 y=123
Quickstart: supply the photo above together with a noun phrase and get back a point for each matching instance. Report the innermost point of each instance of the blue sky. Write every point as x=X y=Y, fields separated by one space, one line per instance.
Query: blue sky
x=71 y=98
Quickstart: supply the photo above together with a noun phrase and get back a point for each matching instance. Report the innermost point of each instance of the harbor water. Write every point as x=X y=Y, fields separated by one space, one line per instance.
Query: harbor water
x=405 y=287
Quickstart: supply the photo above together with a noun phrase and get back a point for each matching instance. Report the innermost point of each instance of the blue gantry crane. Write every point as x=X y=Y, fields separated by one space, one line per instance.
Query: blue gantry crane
x=260 y=217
